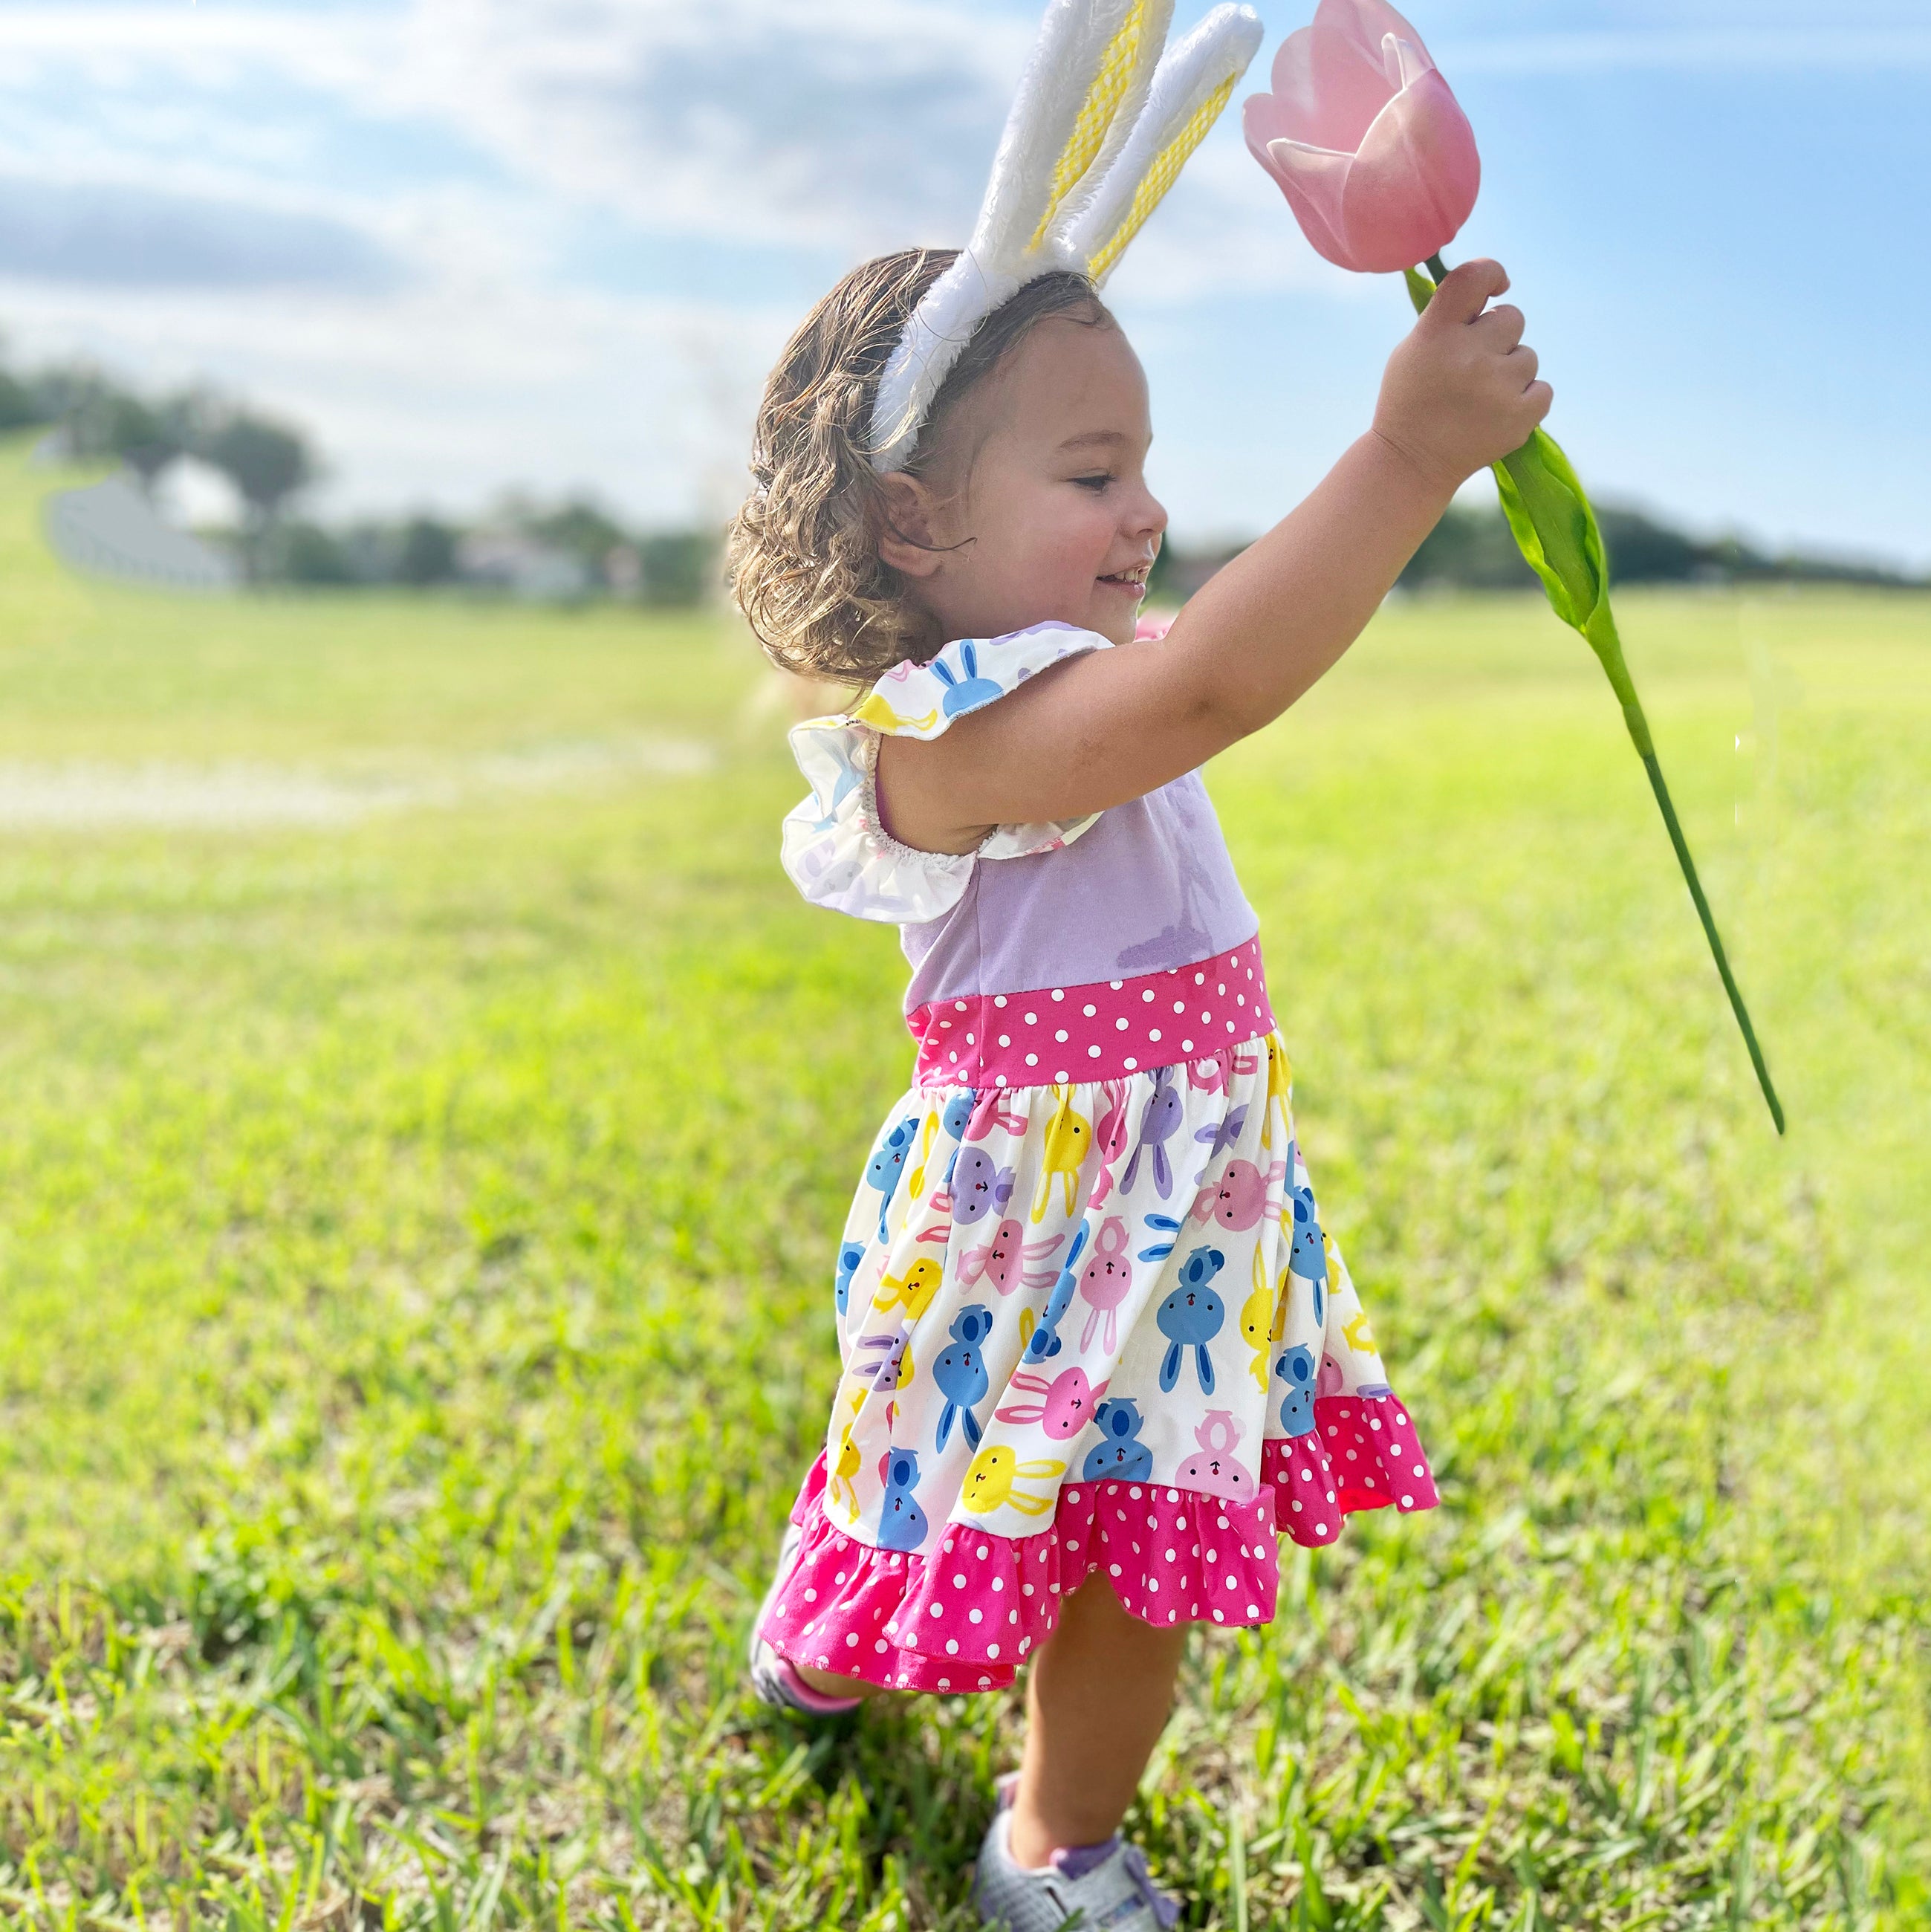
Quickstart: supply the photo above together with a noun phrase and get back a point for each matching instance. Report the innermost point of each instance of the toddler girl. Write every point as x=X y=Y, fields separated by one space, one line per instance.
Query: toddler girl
x=1097 y=1347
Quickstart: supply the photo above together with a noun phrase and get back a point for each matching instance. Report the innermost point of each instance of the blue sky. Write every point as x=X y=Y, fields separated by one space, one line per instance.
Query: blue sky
x=556 y=242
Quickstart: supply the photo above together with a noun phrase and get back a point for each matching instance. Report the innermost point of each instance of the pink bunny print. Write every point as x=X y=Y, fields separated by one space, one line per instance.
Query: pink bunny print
x=1064 y=1404
x=1214 y=1469
x=1103 y=1284
x=1008 y=1261
x=1111 y=1134
x=1239 y=1198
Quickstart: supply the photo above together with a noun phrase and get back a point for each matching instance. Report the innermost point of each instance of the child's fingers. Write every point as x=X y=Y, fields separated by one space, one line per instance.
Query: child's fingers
x=1502 y=325
x=1466 y=291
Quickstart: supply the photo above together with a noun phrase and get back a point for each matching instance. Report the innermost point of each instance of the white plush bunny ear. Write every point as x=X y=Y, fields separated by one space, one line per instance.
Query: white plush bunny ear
x=1190 y=87
x=1084 y=87
x=1098 y=130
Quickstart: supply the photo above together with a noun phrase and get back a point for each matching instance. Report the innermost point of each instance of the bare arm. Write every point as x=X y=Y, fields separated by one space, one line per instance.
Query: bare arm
x=1461 y=392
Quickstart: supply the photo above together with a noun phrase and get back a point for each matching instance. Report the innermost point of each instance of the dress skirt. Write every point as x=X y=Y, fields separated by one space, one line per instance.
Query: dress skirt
x=1088 y=1317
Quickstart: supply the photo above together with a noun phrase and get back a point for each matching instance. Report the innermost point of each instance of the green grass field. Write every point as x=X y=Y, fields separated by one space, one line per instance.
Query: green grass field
x=405 y=1363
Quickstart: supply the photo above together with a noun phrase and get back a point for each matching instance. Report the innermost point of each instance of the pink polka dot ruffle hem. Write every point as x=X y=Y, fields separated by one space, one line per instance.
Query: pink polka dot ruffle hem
x=967 y=1615
x=1362 y=1454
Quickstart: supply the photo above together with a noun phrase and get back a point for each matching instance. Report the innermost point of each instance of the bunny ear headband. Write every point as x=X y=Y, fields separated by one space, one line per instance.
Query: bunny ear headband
x=1102 y=124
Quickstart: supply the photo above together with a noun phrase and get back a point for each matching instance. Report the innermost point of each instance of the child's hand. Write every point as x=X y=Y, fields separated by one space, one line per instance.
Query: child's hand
x=1461 y=392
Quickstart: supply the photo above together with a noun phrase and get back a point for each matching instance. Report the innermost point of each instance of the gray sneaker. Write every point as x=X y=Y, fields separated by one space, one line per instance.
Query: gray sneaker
x=773 y=1680
x=1096 y=1889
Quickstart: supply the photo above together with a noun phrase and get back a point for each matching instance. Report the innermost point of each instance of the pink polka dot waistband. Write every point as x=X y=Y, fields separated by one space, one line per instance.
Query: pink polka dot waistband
x=1106 y=1031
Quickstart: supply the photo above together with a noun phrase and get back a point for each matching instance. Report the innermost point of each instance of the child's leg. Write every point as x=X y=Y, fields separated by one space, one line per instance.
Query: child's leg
x=1101 y=1690
x=829 y=1684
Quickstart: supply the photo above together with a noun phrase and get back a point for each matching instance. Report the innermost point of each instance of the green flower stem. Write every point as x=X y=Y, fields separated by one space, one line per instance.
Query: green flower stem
x=1703 y=913
x=1555 y=528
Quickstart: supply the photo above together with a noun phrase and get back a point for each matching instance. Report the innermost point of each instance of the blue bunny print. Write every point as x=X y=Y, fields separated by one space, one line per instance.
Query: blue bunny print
x=1121 y=1456
x=1191 y=1317
x=1296 y=1369
x=1308 y=1261
x=960 y=1372
x=888 y=1163
x=1044 y=1342
x=1166 y=1231
x=849 y=1255
x=966 y=694
x=901 y=1524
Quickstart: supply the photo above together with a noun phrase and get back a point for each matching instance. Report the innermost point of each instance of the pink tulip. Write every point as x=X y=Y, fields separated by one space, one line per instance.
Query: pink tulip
x=1369 y=145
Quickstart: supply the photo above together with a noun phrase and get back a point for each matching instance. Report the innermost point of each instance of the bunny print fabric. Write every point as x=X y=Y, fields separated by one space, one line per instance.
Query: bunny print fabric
x=1088 y=1313
x=1084 y=1324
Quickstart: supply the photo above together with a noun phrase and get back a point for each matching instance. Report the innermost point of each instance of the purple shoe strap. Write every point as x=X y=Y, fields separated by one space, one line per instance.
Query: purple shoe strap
x=816 y=1702
x=1076 y=1860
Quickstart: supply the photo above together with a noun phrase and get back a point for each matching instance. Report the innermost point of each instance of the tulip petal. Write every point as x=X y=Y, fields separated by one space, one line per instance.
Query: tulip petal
x=1368 y=24
x=1328 y=88
x=1315 y=181
x=1403 y=61
x=1414 y=180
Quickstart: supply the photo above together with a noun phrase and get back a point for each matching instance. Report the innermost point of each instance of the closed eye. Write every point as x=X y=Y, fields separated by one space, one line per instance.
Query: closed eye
x=1096 y=483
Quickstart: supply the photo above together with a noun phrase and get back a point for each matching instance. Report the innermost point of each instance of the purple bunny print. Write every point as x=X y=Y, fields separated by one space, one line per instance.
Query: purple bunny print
x=881 y=1361
x=1221 y=1139
x=1159 y=1122
x=1120 y=1456
x=902 y=1524
x=886 y=1165
x=1296 y=1369
x=1191 y=1317
x=978 y=1186
x=960 y=1372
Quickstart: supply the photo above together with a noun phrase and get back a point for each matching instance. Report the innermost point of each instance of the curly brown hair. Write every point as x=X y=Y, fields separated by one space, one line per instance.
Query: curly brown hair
x=805 y=567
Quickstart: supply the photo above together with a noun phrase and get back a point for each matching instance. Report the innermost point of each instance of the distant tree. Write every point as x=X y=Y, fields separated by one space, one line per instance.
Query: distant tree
x=1470 y=547
x=580 y=528
x=303 y=553
x=267 y=461
x=680 y=567
x=427 y=553
x=19 y=409
x=1643 y=551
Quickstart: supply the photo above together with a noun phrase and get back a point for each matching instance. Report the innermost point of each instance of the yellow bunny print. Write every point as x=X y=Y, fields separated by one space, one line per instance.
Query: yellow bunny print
x=1257 y=1319
x=1068 y=1134
x=991 y=1483
x=914 y=1291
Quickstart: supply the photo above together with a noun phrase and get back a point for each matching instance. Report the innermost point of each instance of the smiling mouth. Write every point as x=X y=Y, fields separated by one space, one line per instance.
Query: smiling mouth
x=1133 y=581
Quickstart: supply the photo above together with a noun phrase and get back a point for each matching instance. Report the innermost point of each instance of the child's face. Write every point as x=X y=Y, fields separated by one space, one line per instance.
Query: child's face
x=1039 y=480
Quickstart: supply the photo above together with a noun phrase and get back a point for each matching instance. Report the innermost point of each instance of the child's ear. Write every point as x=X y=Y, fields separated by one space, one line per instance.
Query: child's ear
x=906 y=539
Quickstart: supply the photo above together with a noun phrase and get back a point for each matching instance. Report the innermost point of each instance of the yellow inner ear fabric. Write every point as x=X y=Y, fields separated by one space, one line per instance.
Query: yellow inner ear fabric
x=1160 y=176
x=1117 y=66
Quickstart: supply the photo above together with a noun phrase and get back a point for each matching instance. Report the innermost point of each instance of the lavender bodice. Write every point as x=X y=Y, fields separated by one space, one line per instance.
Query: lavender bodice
x=1148 y=886
x=1143 y=887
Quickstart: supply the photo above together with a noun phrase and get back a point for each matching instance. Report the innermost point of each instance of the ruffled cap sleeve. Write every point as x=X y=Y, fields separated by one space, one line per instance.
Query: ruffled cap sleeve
x=836 y=850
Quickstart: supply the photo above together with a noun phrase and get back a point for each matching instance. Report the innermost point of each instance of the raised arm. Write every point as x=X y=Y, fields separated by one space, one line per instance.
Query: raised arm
x=1460 y=392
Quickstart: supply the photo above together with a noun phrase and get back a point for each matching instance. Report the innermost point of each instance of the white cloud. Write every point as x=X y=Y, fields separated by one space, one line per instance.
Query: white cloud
x=132 y=235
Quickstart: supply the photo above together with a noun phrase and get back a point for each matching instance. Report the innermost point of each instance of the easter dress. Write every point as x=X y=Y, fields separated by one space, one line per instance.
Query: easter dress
x=1087 y=1313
